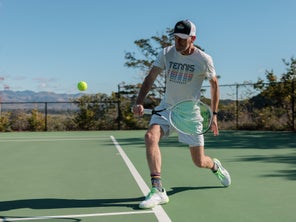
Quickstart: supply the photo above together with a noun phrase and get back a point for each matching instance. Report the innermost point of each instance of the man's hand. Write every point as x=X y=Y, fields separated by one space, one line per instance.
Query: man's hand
x=214 y=126
x=138 y=110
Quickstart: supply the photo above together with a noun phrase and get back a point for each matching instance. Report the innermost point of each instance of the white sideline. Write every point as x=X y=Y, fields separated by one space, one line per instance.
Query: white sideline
x=71 y=216
x=158 y=210
x=55 y=139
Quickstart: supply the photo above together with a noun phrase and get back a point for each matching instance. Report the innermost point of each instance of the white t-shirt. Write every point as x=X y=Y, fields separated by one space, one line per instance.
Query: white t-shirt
x=184 y=74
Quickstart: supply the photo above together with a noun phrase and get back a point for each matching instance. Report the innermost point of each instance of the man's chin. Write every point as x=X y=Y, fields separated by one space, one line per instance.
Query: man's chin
x=180 y=50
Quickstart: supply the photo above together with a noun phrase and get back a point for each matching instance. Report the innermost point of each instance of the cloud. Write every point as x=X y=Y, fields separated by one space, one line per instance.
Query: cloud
x=44 y=83
x=45 y=80
x=19 y=78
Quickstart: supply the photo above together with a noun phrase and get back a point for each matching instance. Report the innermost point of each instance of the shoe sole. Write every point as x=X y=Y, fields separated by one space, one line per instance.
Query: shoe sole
x=152 y=206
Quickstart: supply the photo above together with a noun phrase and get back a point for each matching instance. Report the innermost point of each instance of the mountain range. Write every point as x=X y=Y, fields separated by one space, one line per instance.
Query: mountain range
x=31 y=96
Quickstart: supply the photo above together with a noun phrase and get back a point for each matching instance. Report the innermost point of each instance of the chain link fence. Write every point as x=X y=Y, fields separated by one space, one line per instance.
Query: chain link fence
x=58 y=116
x=247 y=107
x=241 y=107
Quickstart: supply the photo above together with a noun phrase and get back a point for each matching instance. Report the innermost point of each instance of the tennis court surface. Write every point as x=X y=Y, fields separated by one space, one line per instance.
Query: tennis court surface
x=101 y=176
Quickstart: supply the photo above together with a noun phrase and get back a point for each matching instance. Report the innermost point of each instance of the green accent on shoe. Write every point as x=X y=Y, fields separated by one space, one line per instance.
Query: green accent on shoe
x=154 y=198
x=222 y=174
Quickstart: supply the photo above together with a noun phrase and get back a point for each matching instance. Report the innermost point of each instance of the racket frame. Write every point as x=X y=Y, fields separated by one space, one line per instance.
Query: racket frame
x=170 y=108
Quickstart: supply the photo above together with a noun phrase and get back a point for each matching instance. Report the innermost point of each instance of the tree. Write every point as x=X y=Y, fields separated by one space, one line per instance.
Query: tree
x=149 y=49
x=95 y=112
x=277 y=98
x=4 y=122
x=36 y=121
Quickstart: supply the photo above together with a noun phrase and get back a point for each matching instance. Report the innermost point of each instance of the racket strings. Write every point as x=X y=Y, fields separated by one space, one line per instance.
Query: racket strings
x=186 y=117
x=191 y=118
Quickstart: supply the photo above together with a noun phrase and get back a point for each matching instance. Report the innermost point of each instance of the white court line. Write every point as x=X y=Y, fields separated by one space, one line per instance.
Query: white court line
x=74 y=216
x=158 y=210
x=52 y=139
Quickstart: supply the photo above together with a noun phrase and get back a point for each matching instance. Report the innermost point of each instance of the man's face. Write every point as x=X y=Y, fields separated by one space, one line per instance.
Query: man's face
x=183 y=44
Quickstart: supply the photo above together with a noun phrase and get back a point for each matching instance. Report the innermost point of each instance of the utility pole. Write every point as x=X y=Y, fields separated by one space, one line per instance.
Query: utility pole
x=1 y=79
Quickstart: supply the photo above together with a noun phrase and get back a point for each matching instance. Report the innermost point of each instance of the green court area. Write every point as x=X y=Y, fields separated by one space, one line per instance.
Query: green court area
x=101 y=176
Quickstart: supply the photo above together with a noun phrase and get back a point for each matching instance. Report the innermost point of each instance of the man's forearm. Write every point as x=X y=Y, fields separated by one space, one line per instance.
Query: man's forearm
x=145 y=88
x=147 y=84
x=215 y=94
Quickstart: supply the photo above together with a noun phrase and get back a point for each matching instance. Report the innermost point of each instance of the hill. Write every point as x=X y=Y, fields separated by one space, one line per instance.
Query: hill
x=31 y=96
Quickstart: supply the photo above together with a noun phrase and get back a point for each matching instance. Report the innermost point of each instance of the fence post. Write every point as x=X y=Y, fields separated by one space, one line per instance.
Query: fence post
x=237 y=111
x=293 y=104
x=118 y=108
x=45 y=116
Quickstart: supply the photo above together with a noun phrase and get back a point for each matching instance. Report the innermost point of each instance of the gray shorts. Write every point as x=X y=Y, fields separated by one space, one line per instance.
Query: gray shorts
x=168 y=129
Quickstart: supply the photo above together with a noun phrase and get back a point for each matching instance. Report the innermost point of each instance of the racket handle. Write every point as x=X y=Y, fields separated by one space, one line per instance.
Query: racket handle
x=148 y=111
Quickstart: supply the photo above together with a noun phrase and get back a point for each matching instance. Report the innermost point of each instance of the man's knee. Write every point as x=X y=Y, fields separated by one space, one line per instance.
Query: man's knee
x=153 y=134
x=151 y=137
x=198 y=157
x=200 y=162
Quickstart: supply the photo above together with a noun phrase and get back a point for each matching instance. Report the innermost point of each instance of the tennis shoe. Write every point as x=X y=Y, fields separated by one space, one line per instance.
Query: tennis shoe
x=222 y=174
x=154 y=198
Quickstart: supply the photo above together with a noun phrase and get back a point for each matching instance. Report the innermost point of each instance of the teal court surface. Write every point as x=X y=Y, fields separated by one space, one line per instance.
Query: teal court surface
x=103 y=175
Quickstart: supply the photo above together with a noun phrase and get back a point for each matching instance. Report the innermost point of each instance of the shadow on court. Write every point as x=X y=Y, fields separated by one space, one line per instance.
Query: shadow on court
x=285 y=158
x=252 y=140
x=239 y=140
x=43 y=220
x=53 y=203
x=175 y=190
x=230 y=140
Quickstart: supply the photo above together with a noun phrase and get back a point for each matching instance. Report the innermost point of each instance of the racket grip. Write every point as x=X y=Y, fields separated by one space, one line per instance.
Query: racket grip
x=148 y=111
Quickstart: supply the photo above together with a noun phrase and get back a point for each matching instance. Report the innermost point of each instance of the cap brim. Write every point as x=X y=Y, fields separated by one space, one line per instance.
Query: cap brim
x=182 y=36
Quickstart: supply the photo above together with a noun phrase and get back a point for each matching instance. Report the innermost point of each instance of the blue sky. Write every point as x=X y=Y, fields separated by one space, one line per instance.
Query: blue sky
x=50 y=45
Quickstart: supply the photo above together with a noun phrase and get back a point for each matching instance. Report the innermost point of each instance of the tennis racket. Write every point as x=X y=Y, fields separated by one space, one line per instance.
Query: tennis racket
x=191 y=117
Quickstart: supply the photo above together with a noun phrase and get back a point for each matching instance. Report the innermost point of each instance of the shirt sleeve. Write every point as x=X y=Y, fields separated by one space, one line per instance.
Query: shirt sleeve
x=160 y=60
x=210 y=68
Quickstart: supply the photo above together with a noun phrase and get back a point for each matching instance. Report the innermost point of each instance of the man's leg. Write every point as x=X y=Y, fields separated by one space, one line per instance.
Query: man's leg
x=200 y=159
x=153 y=154
x=157 y=194
x=203 y=161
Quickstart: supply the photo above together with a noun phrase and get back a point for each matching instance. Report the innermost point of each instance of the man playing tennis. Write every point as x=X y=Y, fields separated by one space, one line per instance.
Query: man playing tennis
x=185 y=68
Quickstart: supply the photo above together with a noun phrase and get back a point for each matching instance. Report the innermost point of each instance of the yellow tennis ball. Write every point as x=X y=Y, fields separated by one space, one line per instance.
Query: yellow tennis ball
x=82 y=86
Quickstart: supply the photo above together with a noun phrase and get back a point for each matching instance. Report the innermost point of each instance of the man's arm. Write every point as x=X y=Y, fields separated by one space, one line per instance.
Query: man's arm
x=138 y=109
x=215 y=95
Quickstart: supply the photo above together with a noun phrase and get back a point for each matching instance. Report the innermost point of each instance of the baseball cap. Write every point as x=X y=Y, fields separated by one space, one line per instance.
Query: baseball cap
x=184 y=29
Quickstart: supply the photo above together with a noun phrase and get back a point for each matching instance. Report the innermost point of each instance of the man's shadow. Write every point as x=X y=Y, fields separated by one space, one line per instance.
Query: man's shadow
x=55 y=203
x=175 y=190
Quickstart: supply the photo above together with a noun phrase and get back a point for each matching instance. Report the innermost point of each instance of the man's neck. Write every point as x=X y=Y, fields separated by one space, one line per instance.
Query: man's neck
x=188 y=51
